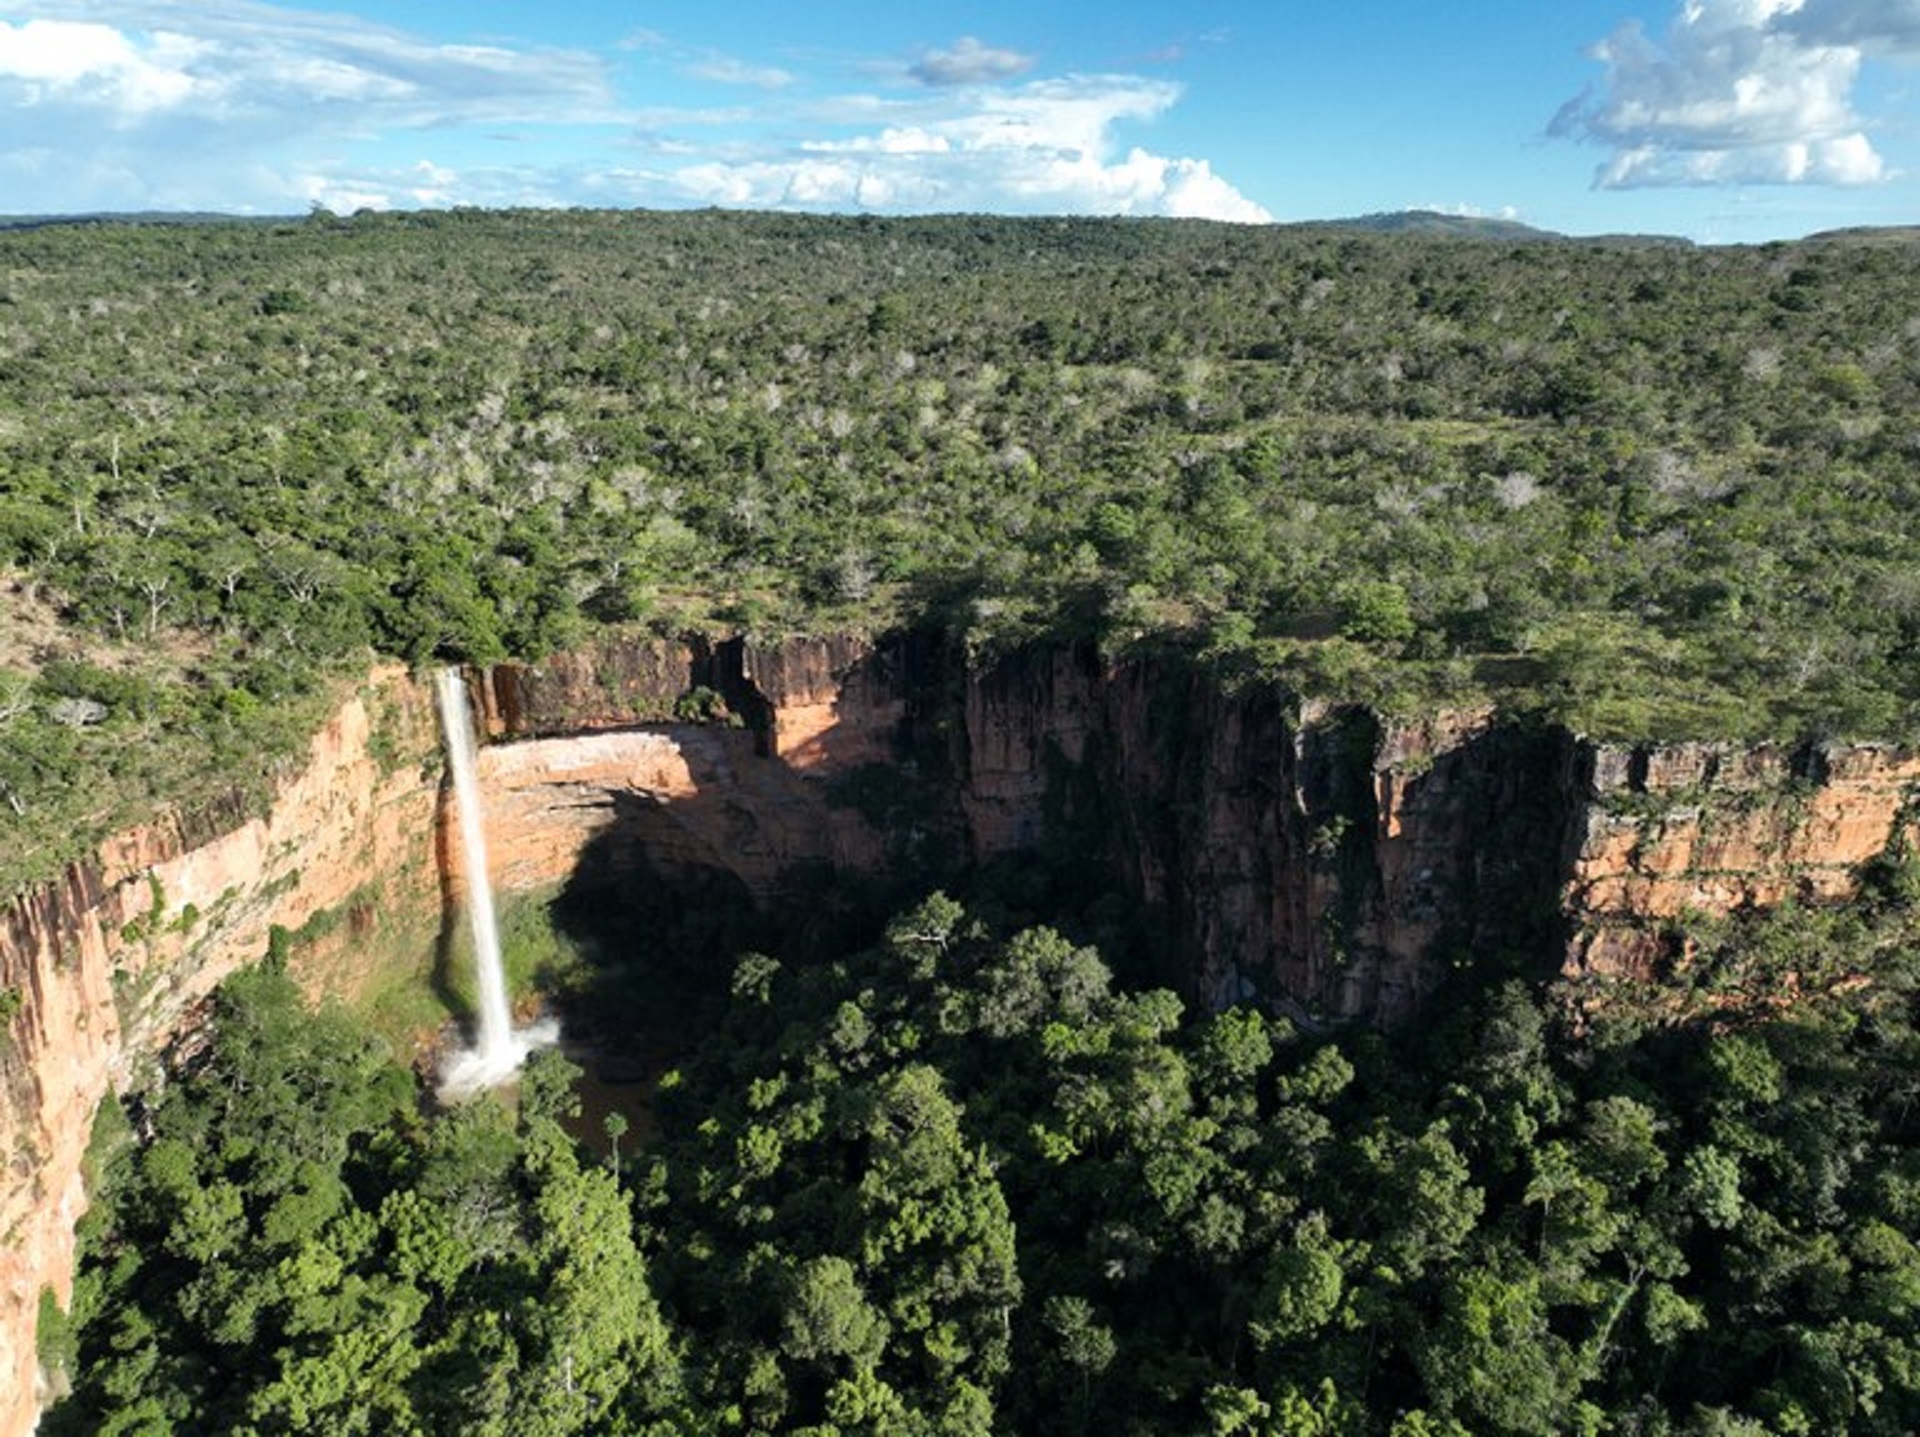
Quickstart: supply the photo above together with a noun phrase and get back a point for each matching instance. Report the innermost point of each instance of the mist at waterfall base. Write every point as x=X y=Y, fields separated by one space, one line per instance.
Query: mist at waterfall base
x=498 y=1047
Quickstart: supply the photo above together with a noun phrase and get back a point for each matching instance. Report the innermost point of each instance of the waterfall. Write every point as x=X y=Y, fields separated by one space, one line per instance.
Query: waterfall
x=498 y=1049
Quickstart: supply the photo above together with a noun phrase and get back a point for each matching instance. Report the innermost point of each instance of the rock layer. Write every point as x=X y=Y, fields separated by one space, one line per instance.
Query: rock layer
x=1667 y=831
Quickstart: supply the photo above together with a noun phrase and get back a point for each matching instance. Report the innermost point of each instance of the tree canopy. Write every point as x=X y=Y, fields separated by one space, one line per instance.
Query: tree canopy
x=1651 y=490
x=959 y=1182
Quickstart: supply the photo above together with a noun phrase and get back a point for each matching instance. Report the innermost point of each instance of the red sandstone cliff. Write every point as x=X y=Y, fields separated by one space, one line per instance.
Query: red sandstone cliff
x=1320 y=856
x=117 y=954
x=1707 y=828
x=1348 y=862
x=112 y=960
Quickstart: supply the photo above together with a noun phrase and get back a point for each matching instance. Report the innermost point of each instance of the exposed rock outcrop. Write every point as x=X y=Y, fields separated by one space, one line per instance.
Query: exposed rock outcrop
x=1665 y=831
x=1320 y=856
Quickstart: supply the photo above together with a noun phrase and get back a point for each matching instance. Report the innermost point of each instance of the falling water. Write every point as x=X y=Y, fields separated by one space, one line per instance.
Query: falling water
x=498 y=1048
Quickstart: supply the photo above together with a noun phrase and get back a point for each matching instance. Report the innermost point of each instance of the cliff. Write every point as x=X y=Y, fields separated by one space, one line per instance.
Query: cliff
x=1335 y=862
x=113 y=960
x=1664 y=832
x=1319 y=856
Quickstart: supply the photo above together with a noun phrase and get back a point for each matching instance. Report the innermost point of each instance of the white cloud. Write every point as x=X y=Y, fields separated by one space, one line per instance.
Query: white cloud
x=227 y=104
x=1072 y=114
x=346 y=188
x=55 y=61
x=342 y=196
x=228 y=59
x=901 y=140
x=969 y=62
x=1185 y=189
x=714 y=66
x=813 y=183
x=1459 y=209
x=1736 y=92
x=726 y=70
x=1045 y=146
x=237 y=105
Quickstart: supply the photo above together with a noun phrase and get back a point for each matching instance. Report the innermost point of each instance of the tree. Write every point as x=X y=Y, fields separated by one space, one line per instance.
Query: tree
x=615 y=1126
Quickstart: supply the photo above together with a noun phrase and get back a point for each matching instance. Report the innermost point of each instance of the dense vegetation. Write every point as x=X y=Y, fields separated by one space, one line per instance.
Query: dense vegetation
x=1650 y=489
x=957 y=1183
x=960 y=1181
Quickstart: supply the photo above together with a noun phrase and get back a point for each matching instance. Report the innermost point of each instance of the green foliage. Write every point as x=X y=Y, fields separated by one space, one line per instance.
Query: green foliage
x=1650 y=490
x=295 y=1249
x=959 y=1183
x=1221 y=1222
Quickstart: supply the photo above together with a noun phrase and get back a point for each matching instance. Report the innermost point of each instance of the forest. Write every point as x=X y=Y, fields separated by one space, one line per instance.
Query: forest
x=1648 y=490
x=963 y=1182
x=970 y=1169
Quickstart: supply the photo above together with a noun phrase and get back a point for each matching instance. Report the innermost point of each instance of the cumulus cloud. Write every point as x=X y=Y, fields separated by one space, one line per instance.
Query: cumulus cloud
x=1735 y=92
x=1460 y=209
x=424 y=184
x=1044 y=146
x=55 y=61
x=230 y=58
x=155 y=104
x=969 y=62
x=238 y=105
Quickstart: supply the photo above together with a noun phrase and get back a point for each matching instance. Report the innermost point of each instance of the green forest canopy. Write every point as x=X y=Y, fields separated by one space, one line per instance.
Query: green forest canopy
x=1651 y=490
x=957 y=1183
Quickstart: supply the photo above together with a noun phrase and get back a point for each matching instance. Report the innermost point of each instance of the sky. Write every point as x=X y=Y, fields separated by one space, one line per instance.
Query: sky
x=1726 y=121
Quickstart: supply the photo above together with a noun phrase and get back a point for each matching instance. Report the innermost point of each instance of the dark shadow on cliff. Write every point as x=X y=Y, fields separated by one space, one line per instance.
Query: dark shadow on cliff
x=1242 y=844
x=660 y=928
x=1226 y=841
x=655 y=937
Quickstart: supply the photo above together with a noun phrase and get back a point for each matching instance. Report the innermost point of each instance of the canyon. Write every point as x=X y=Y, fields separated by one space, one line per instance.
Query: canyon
x=1330 y=861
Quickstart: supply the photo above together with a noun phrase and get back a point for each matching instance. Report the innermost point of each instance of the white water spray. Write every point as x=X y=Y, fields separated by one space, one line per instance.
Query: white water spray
x=498 y=1048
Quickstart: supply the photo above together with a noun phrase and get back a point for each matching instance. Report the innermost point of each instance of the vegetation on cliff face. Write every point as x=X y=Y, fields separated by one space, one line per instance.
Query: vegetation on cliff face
x=1652 y=490
x=958 y=1183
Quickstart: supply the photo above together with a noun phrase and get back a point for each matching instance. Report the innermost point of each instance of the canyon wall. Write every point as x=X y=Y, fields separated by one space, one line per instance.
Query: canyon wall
x=1335 y=861
x=1323 y=858
x=1663 y=832
x=1331 y=861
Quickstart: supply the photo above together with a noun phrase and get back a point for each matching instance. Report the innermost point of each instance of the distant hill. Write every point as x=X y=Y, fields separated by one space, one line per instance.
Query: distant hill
x=139 y=217
x=1426 y=223
x=1875 y=235
x=1434 y=224
x=1414 y=222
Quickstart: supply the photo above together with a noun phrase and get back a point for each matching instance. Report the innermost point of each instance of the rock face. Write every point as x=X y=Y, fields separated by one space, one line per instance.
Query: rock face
x=1334 y=862
x=1321 y=857
x=1328 y=858
x=1706 y=828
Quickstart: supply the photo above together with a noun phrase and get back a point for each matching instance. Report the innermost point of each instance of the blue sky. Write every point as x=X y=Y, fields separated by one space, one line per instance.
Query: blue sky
x=1722 y=120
